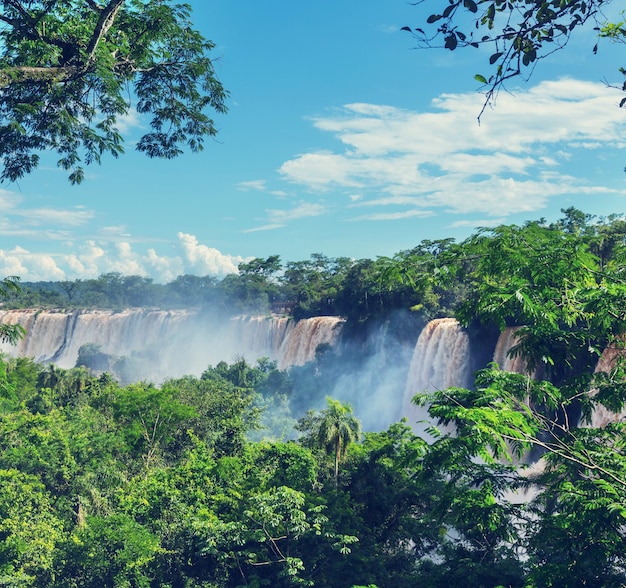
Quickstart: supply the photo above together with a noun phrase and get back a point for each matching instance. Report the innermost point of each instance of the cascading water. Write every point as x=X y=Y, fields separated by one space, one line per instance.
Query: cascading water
x=440 y=360
x=506 y=362
x=259 y=336
x=55 y=336
x=173 y=343
x=601 y=417
x=170 y=343
x=302 y=339
x=372 y=372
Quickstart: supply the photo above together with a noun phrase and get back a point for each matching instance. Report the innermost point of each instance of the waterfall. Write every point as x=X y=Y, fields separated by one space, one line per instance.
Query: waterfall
x=302 y=339
x=507 y=340
x=601 y=417
x=375 y=374
x=258 y=336
x=440 y=360
x=168 y=343
x=56 y=336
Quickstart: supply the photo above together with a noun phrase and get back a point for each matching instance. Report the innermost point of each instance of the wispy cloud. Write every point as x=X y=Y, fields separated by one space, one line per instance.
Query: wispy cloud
x=129 y=121
x=492 y=222
x=252 y=185
x=303 y=210
x=385 y=216
x=268 y=227
x=260 y=186
x=46 y=216
x=278 y=218
x=387 y=165
x=17 y=220
x=444 y=160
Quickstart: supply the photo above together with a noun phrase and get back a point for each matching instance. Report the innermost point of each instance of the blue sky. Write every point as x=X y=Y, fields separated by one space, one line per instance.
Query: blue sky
x=341 y=138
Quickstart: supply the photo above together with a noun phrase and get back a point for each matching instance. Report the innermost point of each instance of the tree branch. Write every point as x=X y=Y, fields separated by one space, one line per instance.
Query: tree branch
x=12 y=75
x=23 y=12
x=105 y=22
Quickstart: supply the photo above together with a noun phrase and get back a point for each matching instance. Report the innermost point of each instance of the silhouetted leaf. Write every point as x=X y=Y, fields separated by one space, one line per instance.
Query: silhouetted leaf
x=451 y=42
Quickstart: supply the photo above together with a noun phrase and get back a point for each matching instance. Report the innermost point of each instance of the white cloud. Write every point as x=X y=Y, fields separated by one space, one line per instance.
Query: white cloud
x=91 y=258
x=39 y=216
x=383 y=216
x=494 y=222
x=303 y=210
x=268 y=227
x=46 y=223
x=29 y=266
x=278 y=218
x=253 y=185
x=318 y=170
x=203 y=260
x=260 y=186
x=389 y=29
x=131 y=120
x=8 y=200
x=511 y=162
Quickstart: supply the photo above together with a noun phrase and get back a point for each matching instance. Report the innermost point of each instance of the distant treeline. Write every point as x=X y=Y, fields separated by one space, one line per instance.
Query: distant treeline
x=435 y=278
x=319 y=286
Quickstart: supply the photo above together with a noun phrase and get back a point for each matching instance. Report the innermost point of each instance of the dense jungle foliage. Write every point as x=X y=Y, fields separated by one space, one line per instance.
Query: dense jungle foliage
x=181 y=485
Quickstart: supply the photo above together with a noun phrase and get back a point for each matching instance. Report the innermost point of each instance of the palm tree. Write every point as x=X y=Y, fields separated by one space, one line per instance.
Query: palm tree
x=338 y=429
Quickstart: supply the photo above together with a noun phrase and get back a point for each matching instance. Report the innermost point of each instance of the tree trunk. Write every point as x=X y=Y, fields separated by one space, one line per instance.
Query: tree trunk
x=337 y=455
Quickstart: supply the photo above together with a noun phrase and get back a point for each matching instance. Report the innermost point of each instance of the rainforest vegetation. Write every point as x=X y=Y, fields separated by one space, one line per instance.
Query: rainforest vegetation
x=201 y=481
x=180 y=485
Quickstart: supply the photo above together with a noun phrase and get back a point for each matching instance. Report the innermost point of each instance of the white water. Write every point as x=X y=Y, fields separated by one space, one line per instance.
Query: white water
x=601 y=417
x=171 y=343
x=372 y=374
x=440 y=360
x=507 y=340
x=302 y=339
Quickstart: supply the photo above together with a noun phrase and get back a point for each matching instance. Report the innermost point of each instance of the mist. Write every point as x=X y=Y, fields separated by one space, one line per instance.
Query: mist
x=376 y=366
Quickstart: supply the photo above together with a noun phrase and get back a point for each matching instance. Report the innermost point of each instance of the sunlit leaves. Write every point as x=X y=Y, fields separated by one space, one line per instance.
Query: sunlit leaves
x=551 y=282
x=29 y=530
x=68 y=75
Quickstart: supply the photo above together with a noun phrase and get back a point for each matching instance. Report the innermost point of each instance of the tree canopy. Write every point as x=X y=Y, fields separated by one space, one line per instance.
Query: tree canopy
x=70 y=70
